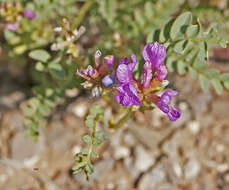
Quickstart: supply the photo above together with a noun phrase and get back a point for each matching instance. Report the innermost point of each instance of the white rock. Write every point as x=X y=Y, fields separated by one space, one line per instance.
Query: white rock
x=143 y=159
x=121 y=152
x=80 y=109
x=192 y=169
x=194 y=127
x=177 y=169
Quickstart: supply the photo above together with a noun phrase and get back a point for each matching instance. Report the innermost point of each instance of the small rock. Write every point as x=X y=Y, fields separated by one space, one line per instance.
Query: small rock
x=194 y=127
x=121 y=152
x=192 y=169
x=143 y=159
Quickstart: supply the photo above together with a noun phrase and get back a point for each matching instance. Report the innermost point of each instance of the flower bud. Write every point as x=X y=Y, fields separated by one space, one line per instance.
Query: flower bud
x=108 y=80
x=109 y=60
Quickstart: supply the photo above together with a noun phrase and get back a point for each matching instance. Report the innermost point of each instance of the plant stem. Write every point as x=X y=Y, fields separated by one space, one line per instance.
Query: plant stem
x=83 y=12
x=123 y=120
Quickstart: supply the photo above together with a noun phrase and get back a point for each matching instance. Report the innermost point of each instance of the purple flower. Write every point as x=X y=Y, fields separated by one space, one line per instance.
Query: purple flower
x=162 y=72
x=147 y=75
x=127 y=95
x=108 y=80
x=164 y=105
x=124 y=70
x=109 y=60
x=154 y=53
x=12 y=27
x=29 y=14
x=154 y=56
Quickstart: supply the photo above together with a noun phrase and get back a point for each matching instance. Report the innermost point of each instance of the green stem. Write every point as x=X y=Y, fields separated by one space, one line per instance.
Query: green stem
x=83 y=12
x=123 y=120
x=92 y=143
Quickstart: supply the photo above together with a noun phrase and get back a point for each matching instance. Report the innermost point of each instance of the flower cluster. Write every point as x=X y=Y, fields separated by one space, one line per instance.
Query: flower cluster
x=68 y=38
x=13 y=13
x=129 y=91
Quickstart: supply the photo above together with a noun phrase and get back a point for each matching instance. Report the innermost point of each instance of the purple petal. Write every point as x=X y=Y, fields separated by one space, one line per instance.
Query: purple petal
x=108 y=81
x=167 y=96
x=162 y=72
x=128 y=95
x=90 y=70
x=122 y=73
x=174 y=114
x=154 y=53
x=163 y=107
x=133 y=63
x=126 y=100
x=29 y=14
x=171 y=92
x=118 y=98
x=109 y=60
x=147 y=75
x=124 y=61
x=12 y=27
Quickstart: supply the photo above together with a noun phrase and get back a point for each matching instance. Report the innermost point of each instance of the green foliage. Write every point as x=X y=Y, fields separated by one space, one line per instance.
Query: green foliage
x=84 y=157
x=40 y=55
x=187 y=49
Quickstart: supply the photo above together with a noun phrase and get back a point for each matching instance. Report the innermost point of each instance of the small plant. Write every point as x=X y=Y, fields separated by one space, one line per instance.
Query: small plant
x=48 y=38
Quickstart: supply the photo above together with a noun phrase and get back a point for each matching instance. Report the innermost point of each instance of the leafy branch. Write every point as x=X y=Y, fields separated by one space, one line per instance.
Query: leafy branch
x=187 y=50
x=95 y=138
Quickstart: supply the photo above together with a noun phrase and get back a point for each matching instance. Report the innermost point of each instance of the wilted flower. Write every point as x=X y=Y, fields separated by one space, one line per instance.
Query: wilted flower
x=164 y=105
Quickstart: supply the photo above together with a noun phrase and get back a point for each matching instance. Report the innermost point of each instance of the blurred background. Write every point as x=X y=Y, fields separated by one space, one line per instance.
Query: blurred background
x=148 y=152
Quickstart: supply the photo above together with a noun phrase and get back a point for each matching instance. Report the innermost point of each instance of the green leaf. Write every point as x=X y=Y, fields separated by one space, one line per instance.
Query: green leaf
x=193 y=72
x=204 y=83
x=226 y=84
x=203 y=52
x=89 y=121
x=223 y=43
x=217 y=86
x=192 y=31
x=40 y=55
x=211 y=73
x=107 y=9
x=181 y=67
x=94 y=154
x=56 y=70
x=100 y=135
x=29 y=112
x=20 y=49
x=87 y=139
x=77 y=168
x=84 y=151
x=224 y=77
x=97 y=142
x=96 y=110
x=180 y=46
x=179 y=26
x=39 y=66
x=171 y=64
x=164 y=34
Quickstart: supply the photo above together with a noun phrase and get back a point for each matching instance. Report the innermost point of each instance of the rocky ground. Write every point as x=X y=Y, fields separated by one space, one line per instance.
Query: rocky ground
x=149 y=153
